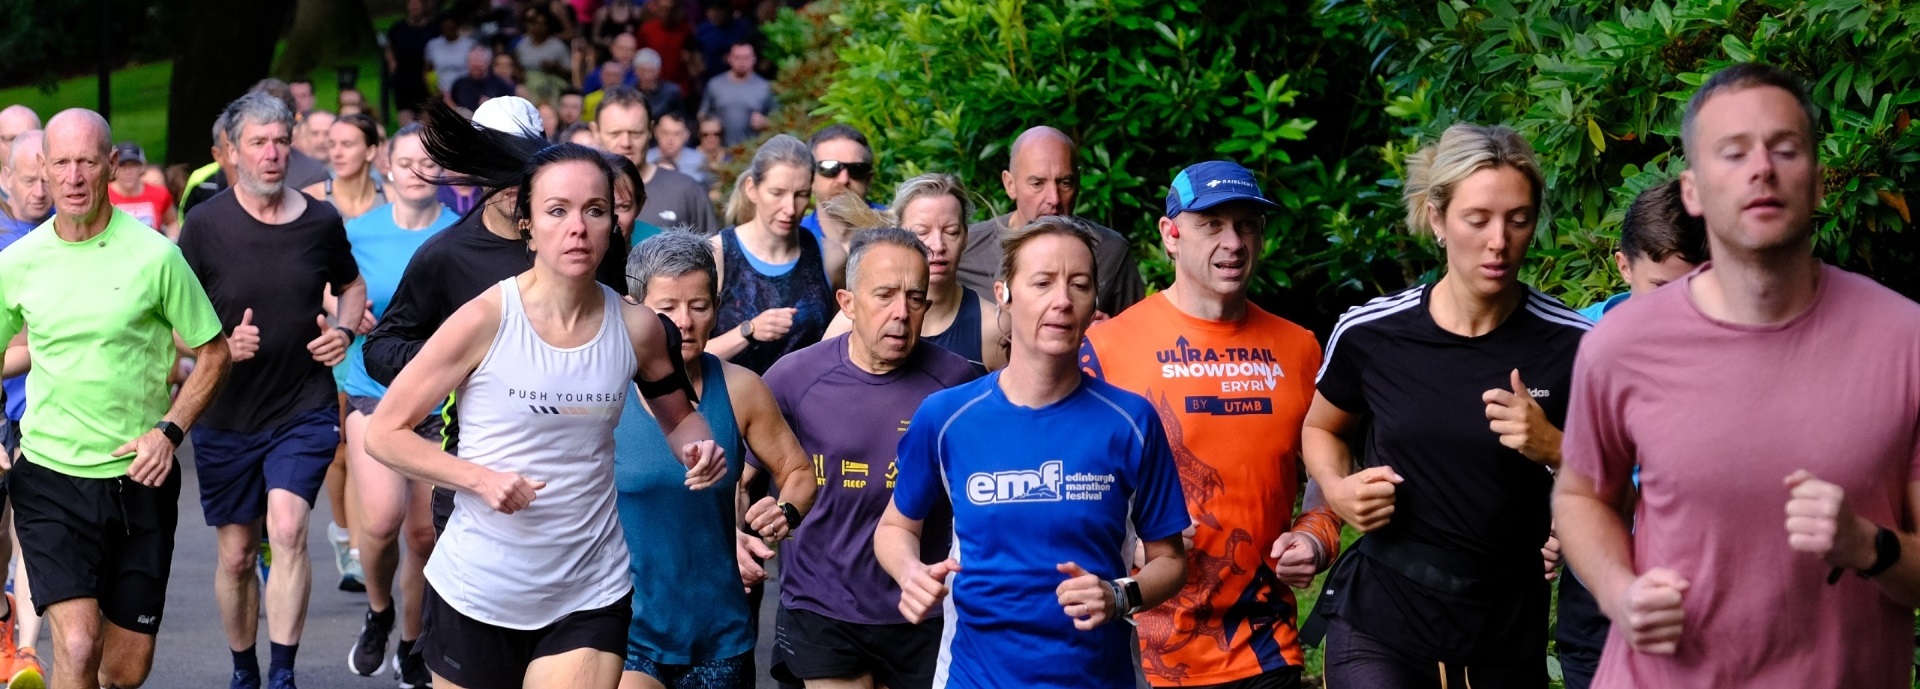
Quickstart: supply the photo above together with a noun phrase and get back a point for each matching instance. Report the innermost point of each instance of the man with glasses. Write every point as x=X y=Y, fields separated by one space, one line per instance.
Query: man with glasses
x=842 y=163
x=624 y=126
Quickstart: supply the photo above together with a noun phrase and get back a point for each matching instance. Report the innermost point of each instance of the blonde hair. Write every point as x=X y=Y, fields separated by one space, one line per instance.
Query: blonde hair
x=779 y=150
x=1464 y=149
x=849 y=211
x=933 y=184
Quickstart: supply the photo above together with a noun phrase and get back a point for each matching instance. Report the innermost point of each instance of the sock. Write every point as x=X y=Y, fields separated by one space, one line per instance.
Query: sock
x=8 y=615
x=385 y=617
x=246 y=660
x=406 y=648
x=281 y=656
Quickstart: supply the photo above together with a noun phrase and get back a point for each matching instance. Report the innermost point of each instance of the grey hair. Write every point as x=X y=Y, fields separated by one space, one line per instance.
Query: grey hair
x=27 y=143
x=782 y=149
x=933 y=184
x=670 y=254
x=220 y=128
x=885 y=236
x=257 y=107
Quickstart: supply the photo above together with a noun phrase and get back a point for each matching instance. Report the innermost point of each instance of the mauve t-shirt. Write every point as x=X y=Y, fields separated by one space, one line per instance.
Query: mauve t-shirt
x=849 y=422
x=1716 y=415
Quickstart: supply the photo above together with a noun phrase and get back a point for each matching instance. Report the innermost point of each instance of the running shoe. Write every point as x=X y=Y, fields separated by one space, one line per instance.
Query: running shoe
x=245 y=679
x=26 y=671
x=8 y=643
x=281 y=678
x=354 y=578
x=369 y=654
x=412 y=671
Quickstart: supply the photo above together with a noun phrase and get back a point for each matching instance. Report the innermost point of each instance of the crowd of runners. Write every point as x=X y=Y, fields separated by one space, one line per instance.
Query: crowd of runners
x=566 y=429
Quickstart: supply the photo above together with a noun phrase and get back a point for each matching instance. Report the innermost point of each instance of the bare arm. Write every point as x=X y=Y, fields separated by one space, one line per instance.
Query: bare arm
x=18 y=361
x=152 y=451
x=447 y=359
x=686 y=430
x=772 y=440
x=351 y=304
x=1594 y=540
x=896 y=544
x=840 y=325
x=1363 y=499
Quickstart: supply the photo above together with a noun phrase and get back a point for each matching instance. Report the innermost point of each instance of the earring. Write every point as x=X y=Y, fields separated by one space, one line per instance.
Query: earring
x=1442 y=241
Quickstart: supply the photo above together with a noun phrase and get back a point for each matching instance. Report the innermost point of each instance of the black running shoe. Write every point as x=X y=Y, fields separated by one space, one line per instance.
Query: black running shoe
x=369 y=654
x=412 y=670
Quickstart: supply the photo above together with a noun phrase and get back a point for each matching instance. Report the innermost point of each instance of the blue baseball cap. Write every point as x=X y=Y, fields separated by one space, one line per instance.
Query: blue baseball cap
x=1204 y=185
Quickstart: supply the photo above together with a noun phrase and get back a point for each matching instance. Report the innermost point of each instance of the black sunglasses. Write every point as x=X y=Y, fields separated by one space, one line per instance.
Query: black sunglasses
x=858 y=172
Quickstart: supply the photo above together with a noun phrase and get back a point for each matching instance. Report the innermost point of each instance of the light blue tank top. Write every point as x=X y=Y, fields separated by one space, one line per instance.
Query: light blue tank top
x=688 y=604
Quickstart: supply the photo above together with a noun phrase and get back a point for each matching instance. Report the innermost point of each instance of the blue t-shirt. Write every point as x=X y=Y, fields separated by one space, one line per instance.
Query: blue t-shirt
x=1594 y=311
x=688 y=606
x=16 y=387
x=1031 y=489
x=382 y=249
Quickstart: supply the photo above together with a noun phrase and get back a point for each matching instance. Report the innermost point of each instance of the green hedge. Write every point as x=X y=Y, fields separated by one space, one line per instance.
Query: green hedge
x=1324 y=99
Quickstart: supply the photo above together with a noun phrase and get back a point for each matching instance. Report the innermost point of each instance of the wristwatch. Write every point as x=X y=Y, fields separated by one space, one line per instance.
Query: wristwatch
x=172 y=431
x=349 y=332
x=793 y=516
x=746 y=330
x=1886 y=553
x=1126 y=596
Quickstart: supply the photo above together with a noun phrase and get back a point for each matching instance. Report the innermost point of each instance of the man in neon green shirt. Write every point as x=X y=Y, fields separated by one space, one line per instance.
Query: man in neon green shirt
x=96 y=492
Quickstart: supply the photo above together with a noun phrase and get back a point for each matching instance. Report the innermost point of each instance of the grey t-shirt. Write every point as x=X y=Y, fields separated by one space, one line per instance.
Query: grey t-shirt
x=1120 y=285
x=736 y=102
x=676 y=200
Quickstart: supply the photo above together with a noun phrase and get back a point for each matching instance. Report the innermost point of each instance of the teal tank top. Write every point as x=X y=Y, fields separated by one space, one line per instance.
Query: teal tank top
x=688 y=604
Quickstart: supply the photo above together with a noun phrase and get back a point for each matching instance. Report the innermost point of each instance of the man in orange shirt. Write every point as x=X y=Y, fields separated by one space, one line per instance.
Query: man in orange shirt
x=1232 y=383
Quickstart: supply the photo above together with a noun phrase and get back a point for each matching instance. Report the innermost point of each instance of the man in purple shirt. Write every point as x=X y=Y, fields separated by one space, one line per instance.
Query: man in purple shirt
x=848 y=400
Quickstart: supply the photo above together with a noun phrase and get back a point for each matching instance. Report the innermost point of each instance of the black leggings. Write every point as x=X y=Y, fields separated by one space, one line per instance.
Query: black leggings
x=1357 y=661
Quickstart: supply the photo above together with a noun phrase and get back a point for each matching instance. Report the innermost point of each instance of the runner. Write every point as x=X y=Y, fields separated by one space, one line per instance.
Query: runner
x=302 y=170
x=1447 y=587
x=934 y=207
x=624 y=126
x=148 y=203
x=96 y=490
x=629 y=194
x=27 y=206
x=839 y=620
x=209 y=180
x=384 y=240
x=310 y=133
x=1775 y=385
x=264 y=254
x=452 y=268
x=354 y=189
x=1040 y=579
x=1230 y=382
x=1659 y=243
x=14 y=121
x=542 y=365
x=774 y=294
x=1041 y=179
x=691 y=626
x=842 y=164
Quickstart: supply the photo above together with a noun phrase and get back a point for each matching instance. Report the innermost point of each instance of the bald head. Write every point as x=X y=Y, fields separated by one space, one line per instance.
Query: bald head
x=24 y=175
x=29 y=145
x=1040 y=177
x=14 y=120
x=79 y=159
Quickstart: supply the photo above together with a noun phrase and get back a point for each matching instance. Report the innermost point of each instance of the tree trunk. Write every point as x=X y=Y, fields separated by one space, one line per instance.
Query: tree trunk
x=325 y=33
x=220 y=50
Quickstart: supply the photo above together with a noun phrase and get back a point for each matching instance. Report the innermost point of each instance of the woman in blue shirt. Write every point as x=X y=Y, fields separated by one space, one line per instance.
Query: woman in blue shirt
x=1047 y=471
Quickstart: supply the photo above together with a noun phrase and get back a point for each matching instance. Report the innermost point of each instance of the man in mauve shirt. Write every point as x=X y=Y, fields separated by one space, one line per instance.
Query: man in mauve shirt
x=1773 y=422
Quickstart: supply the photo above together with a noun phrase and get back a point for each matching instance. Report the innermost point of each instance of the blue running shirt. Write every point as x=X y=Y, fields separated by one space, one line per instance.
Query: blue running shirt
x=1033 y=488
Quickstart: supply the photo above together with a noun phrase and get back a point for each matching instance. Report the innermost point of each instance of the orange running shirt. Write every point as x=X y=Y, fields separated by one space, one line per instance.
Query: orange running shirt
x=1233 y=397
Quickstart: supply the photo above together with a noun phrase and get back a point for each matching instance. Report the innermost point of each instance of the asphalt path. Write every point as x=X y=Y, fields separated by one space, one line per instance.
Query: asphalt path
x=192 y=647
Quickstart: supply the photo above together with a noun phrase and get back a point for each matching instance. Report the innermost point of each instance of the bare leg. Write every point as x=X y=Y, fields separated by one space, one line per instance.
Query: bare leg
x=23 y=613
x=291 y=583
x=639 y=680
x=76 y=643
x=235 y=585
x=585 y=668
x=127 y=657
x=383 y=500
x=413 y=566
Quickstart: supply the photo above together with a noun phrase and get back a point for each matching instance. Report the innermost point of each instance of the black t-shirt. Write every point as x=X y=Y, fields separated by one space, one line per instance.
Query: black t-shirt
x=409 y=45
x=447 y=272
x=278 y=271
x=468 y=92
x=303 y=171
x=675 y=200
x=1466 y=498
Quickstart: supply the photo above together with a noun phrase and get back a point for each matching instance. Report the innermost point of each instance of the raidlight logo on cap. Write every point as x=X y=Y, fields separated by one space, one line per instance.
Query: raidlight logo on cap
x=1240 y=182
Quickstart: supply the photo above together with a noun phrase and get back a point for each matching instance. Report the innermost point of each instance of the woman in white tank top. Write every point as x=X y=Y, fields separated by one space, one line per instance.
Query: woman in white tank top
x=529 y=585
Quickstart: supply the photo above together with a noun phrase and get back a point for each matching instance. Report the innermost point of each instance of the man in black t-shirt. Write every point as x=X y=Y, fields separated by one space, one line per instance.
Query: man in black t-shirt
x=264 y=253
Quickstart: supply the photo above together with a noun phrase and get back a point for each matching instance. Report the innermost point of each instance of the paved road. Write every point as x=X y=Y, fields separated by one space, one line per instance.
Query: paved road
x=192 y=650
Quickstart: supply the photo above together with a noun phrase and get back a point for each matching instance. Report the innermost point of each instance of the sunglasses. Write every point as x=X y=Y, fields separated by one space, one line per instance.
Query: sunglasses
x=705 y=135
x=858 y=172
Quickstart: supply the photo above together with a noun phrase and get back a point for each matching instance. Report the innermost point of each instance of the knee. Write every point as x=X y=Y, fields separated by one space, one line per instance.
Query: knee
x=236 y=559
x=287 y=530
x=125 y=674
x=420 y=538
x=76 y=646
x=379 y=528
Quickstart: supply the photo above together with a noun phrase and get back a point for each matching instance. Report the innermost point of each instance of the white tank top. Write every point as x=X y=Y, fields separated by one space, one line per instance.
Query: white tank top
x=548 y=414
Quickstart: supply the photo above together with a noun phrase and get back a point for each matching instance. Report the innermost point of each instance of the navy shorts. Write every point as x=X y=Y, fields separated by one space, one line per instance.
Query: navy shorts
x=237 y=469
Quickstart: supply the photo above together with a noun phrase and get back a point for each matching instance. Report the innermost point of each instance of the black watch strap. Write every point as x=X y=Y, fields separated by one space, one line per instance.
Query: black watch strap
x=792 y=514
x=1886 y=552
x=173 y=432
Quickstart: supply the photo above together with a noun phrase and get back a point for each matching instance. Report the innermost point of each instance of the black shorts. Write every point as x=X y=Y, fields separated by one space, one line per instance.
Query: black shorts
x=808 y=645
x=478 y=655
x=1579 y=633
x=1355 y=659
x=109 y=539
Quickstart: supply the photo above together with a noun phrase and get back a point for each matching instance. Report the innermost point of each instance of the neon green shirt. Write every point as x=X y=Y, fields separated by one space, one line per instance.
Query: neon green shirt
x=100 y=316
